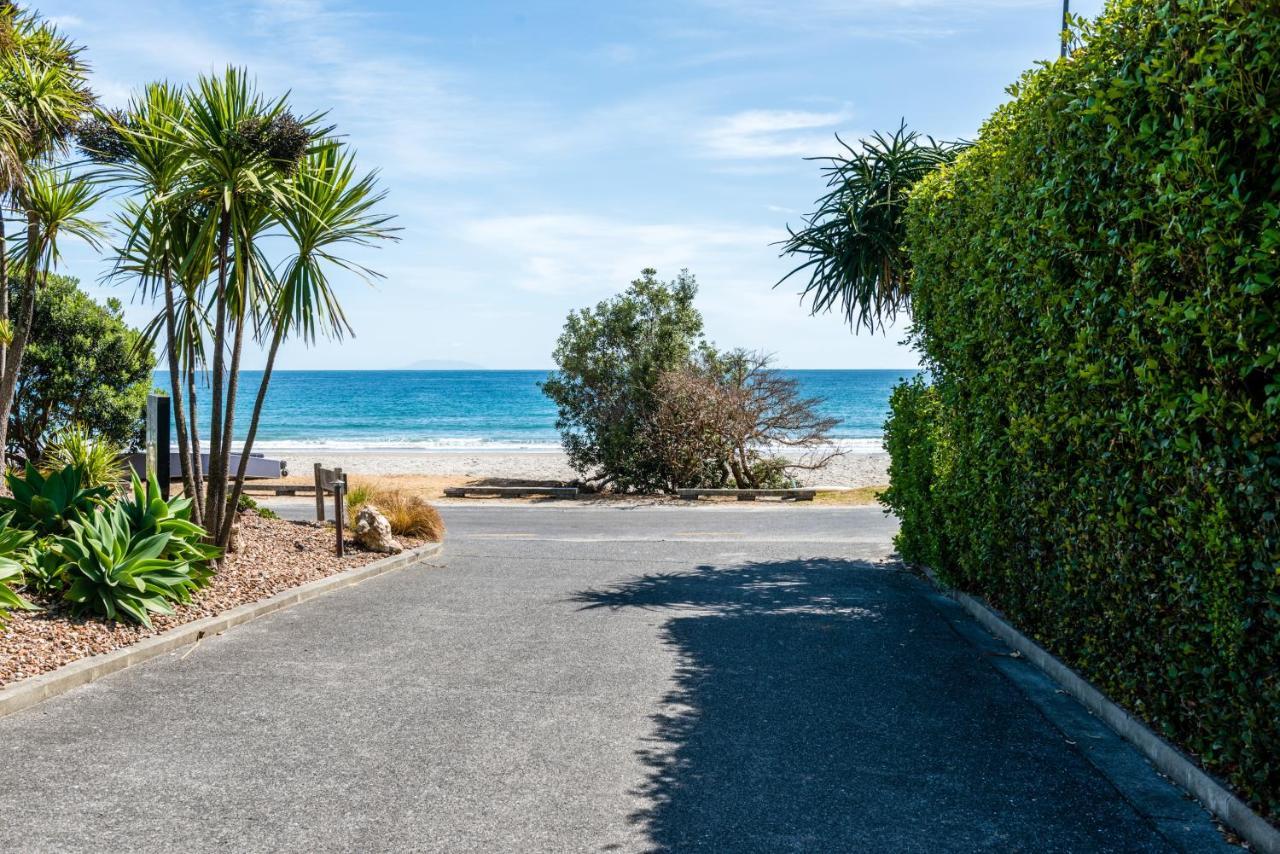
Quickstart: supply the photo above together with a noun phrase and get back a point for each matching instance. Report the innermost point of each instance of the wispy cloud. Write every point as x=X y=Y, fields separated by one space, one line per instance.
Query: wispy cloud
x=577 y=253
x=772 y=133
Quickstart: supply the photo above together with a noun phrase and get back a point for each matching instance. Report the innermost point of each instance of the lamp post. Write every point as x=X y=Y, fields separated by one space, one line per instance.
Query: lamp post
x=1066 y=19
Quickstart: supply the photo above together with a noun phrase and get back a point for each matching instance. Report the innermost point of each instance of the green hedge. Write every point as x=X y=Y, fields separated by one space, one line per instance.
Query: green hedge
x=1095 y=295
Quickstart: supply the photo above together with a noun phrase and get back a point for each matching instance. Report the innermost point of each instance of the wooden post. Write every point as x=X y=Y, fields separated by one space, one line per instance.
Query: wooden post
x=319 y=495
x=339 y=512
x=157 y=417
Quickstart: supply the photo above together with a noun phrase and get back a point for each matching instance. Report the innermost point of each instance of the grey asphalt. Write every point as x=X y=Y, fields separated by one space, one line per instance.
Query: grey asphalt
x=595 y=679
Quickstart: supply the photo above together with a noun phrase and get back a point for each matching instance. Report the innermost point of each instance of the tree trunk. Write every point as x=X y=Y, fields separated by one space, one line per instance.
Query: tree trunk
x=746 y=468
x=261 y=398
x=197 y=470
x=212 y=504
x=227 y=513
x=175 y=385
x=26 y=311
x=4 y=289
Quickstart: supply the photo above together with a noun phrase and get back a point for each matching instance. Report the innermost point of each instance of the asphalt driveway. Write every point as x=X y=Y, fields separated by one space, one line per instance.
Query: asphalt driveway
x=595 y=679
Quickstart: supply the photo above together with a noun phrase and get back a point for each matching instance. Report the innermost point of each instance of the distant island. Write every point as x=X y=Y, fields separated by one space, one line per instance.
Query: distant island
x=443 y=365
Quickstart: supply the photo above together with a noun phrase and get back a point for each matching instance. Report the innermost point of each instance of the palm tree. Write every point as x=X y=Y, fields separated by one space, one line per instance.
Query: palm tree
x=140 y=152
x=853 y=242
x=327 y=206
x=240 y=149
x=43 y=94
x=216 y=170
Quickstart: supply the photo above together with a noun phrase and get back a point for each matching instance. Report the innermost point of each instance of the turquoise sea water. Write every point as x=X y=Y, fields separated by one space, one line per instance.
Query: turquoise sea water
x=477 y=410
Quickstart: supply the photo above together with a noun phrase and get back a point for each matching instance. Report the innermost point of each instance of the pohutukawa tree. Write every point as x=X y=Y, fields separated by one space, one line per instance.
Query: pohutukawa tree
x=853 y=242
x=215 y=173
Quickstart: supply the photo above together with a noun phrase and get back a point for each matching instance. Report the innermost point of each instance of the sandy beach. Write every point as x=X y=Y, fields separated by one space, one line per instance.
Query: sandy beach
x=852 y=470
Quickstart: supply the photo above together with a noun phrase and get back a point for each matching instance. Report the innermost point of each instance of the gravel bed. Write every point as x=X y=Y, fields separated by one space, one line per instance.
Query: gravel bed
x=274 y=555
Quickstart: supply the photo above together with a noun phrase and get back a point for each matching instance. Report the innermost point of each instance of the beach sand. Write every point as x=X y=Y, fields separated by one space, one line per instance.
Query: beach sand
x=435 y=470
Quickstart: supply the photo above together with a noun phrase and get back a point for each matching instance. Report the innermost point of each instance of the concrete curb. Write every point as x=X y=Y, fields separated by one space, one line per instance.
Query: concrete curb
x=35 y=689
x=1165 y=757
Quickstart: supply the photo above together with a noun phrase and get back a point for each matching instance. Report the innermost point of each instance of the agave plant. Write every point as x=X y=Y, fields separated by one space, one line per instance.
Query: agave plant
x=113 y=573
x=48 y=504
x=149 y=513
x=43 y=572
x=12 y=542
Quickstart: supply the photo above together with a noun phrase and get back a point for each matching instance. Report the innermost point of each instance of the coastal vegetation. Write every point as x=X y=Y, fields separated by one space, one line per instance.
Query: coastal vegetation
x=214 y=172
x=853 y=246
x=83 y=368
x=44 y=93
x=230 y=214
x=409 y=514
x=1093 y=290
x=647 y=404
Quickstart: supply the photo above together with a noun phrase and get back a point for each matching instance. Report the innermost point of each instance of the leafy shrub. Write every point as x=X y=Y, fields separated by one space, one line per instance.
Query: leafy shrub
x=149 y=513
x=410 y=515
x=113 y=573
x=718 y=419
x=646 y=404
x=13 y=541
x=247 y=504
x=609 y=359
x=98 y=460
x=82 y=364
x=47 y=504
x=914 y=436
x=1096 y=294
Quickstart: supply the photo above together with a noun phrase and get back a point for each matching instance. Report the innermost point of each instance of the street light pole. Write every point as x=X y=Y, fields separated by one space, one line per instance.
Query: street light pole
x=1066 y=19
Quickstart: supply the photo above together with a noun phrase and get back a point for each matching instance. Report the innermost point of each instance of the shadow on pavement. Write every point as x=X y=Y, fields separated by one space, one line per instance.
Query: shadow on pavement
x=824 y=705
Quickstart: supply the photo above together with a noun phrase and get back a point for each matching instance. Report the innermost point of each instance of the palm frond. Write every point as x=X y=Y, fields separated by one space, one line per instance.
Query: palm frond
x=851 y=246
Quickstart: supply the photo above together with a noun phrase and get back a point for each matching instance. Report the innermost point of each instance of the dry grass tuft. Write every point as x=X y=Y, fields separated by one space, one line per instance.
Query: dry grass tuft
x=854 y=497
x=409 y=513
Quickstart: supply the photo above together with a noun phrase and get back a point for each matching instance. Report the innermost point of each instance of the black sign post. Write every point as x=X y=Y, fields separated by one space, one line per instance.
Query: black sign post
x=158 y=453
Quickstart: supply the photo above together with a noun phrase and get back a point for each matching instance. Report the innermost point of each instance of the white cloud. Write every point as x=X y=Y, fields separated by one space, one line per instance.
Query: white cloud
x=62 y=22
x=772 y=133
x=574 y=253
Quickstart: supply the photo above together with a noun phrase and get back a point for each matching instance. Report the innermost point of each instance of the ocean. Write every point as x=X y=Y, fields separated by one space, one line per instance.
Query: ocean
x=339 y=411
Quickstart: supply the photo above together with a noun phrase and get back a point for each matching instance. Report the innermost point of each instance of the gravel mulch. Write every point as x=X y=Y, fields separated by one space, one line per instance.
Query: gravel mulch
x=273 y=555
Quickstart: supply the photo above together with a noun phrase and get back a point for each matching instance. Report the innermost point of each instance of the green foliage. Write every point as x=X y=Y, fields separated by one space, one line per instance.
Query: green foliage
x=42 y=570
x=114 y=573
x=149 y=513
x=48 y=504
x=246 y=504
x=13 y=542
x=99 y=462
x=609 y=360
x=915 y=437
x=1096 y=292
x=853 y=244
x=82 y=366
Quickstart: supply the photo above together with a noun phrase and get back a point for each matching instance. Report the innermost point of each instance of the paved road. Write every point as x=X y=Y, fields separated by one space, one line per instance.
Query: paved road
x=725 y=679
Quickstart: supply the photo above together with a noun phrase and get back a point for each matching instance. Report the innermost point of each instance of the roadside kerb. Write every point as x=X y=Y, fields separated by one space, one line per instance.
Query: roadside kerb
x=1170 y=761
x=35 y=689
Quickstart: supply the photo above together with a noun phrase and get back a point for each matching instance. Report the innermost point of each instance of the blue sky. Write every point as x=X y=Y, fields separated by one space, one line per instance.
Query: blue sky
x=539 y=154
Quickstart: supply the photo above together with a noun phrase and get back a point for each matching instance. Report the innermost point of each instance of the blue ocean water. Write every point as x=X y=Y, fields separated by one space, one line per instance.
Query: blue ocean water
x=475 y=410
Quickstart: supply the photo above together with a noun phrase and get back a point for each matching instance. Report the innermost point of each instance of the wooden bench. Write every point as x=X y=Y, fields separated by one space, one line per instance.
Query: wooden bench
x=749 y=494
x=512 y=491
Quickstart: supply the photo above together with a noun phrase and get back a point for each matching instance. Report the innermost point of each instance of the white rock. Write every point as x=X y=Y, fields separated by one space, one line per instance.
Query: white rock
x=373 y=531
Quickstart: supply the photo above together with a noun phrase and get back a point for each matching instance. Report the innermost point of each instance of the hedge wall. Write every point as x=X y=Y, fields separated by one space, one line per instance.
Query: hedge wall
x=1095 y=295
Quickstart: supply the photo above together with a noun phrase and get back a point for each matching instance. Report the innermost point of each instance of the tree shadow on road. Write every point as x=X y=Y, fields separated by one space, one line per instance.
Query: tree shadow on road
x=824 y=705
